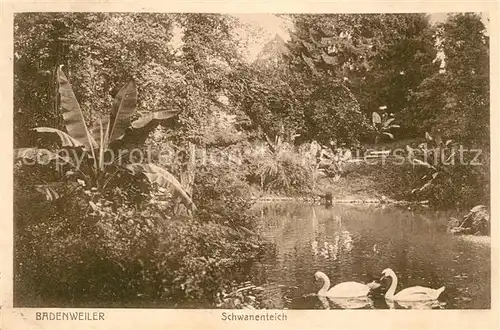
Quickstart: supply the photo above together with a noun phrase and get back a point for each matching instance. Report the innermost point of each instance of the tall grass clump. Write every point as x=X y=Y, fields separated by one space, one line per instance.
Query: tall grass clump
x=282 y=170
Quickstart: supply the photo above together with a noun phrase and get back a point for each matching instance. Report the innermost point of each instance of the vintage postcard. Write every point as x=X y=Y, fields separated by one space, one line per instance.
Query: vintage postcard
x=244 y=165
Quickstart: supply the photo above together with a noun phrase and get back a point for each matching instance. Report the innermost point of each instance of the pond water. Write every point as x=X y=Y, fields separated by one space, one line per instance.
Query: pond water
x=357 y=242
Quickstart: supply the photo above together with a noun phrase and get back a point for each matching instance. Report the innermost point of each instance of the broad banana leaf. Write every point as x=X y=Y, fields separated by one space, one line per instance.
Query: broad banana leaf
x=428 y=184
x=329 y=59
x=118 y=121
x=437 y=139
x=389 y=135
x=102 y=147
x=66 y=139
x=309 y=62
x=72 y=113
x=347 y=155
x=326 y=41
x=447 y=161
x=478 y=208
x=388 y=121
x=308 y=46
x=163 y=178
x=425 y=164
x=49 y=193
x=159 y=115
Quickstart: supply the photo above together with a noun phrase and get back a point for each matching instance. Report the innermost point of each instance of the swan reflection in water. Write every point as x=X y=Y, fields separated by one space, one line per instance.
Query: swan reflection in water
x=377 y=303
x=352 y=303
x=346 y=303
x=324 y=302
x=429 y=304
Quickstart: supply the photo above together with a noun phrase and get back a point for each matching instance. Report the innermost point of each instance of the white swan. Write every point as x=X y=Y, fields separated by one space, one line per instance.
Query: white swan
x=345 y=289
x=415 y=293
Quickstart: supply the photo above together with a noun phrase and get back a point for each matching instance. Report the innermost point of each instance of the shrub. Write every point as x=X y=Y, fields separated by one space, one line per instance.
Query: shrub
x=223 y=195
x=86 y=250
x=282 y=170
x=451 y=176
x=463 y=186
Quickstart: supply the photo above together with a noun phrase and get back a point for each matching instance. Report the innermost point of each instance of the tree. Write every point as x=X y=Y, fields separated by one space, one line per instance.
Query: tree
x=206 y=58
x=99 y=51
x=405 y=55
x=381 y=58
x=455 y=99
x=282 y=97
x=266 y=94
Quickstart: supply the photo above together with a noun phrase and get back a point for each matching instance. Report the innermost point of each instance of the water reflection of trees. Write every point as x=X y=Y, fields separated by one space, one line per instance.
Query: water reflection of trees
x=356 y=243
x=330 y=246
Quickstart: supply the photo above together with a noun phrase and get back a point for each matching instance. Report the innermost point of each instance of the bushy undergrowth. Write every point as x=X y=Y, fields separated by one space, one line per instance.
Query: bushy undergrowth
x=223 y=196
x=70 y=252
x=463 y=186
x=451 y=175
x=283 y=170
x=458 y=186
x=369 y=181
x=283 y=173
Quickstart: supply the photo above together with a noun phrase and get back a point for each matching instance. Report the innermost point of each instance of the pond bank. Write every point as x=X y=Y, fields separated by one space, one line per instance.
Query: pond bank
x=359 y=184
x=315 y=200
x=474 y=239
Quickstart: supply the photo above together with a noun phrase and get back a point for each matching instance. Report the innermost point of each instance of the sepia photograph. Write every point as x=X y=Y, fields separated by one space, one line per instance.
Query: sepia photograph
x=254 y=161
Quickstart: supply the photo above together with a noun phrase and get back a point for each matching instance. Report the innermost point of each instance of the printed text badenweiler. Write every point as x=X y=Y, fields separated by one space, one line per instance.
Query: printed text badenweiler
x=69 y=316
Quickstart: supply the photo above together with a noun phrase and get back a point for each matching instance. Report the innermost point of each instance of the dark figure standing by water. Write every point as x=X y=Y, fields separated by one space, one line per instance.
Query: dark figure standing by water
x=328 y=199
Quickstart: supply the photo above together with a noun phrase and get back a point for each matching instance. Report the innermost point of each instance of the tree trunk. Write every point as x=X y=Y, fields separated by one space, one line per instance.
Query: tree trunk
x=187 y=176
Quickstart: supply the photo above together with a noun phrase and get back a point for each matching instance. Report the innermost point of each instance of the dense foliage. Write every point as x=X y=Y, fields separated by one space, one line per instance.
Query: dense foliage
x=222 y=129
x=456 y=97
x=69 y=254
x=381 y=58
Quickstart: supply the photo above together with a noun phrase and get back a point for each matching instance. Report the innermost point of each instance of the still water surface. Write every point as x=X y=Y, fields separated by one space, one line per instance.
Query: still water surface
x=355 y=243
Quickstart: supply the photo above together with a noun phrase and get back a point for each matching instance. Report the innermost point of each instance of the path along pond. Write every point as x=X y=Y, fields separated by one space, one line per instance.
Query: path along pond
x=357 y=242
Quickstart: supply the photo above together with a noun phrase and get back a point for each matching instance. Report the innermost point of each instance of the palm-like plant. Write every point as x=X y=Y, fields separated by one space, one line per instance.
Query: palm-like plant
x=382 y=125
x=333 y=160
x=435 y=155
x=279 y=167
x=92 y=157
